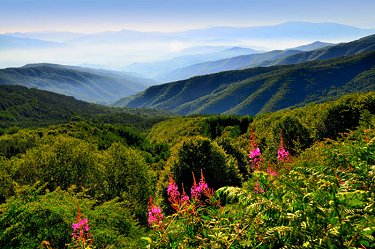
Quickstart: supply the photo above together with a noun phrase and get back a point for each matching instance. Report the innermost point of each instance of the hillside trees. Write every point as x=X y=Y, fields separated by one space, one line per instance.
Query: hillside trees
x=197 y=154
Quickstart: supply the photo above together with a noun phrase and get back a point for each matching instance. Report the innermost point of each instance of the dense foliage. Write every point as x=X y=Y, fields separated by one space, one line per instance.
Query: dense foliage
x=22 y=107
x=308 y=183
x=263 y=89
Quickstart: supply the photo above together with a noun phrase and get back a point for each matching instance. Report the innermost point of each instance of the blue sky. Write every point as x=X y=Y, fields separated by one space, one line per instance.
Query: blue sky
x=171 y=15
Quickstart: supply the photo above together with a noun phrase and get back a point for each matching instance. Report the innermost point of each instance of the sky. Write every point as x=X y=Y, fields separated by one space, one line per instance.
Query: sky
x=175 y=15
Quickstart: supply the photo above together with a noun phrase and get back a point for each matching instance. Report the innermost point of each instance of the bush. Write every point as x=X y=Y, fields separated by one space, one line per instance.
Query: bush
x=197 y=154
x=295 y=135
x=126 y=174
x=35 y=215
x=337 y=119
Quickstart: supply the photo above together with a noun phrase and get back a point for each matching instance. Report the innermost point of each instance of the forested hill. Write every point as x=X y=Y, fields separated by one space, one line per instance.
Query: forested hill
x=255 y=90
x=23 y=107
x=92 y=85
x=272 y=58
x=364 y=44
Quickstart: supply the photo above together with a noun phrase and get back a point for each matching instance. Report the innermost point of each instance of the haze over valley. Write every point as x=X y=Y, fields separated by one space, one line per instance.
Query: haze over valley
x=187 y=124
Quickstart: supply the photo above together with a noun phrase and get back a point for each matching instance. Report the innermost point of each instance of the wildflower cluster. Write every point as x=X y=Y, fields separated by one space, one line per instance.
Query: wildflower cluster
x=155 y=216
x=80 y=228
x=255 y=155
x=80 y=234
x=172 y=191
x=283 y=156
x=189 y=211
x=198 y=189
x=282 y=153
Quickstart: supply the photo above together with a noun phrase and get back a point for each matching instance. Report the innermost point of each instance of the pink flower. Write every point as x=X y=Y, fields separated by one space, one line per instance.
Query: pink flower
x=185 y=199
x=255 y=157
x=172 y=190
x=255 y=153
x=258 y=189
x=195 y=192
x=198 y=189
x=80 y=228
x=155 y=215
x=271 y=172
x=282 y=154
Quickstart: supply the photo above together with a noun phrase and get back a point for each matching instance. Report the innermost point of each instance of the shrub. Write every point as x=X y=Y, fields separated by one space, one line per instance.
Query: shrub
x=197 y=154
x=35 y=216
x=126 y=174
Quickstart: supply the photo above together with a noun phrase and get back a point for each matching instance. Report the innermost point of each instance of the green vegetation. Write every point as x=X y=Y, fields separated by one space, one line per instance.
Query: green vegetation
x=88 y=84
x=22 y=107
x=261 y=90
x=93 y=164
x=272 y=58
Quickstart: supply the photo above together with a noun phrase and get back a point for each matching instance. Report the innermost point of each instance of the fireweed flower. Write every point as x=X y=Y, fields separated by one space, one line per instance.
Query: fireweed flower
x=195 y=189
x=172 y=191
x=255 y=158
x=79 y=228
x=201 y=188
x=271 y=171
x=258 y=189
x=255 y=155
x=155 y=215
x=80 y=232
x=184 y=197
x=282 y=153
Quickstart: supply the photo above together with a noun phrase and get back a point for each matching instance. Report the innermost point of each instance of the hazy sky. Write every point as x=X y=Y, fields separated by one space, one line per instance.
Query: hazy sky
x=171 y=15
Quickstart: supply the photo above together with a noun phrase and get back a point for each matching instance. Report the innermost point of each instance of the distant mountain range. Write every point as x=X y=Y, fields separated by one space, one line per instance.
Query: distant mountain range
x=10 y=42
x=158 y=69
x=238 y=62
x=92 y=85
x=272 y=58
x=117 y=49
x=313 y=46
x=264 y=89
x=288 y=30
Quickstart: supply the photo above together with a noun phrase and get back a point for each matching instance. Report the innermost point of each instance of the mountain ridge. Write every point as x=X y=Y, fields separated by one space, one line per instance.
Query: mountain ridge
x=261 y=89
x=272 y=58
x=92 y=85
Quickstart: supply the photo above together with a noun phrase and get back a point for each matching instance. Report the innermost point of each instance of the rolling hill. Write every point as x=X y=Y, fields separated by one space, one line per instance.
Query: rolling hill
x=92 y=85
x=272 y=58
x=261 y=89
x=24 y=107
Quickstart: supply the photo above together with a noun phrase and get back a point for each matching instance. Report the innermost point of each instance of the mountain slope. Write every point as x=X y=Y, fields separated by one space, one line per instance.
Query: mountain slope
x=272 y=58
x=92 y=85
x=233 y=63
x=344 y=49
x=256 y=90
x=313 y=46
x=24 y=107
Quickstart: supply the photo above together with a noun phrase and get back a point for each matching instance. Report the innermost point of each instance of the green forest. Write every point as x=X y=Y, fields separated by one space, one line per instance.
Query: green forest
x=78 y=175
